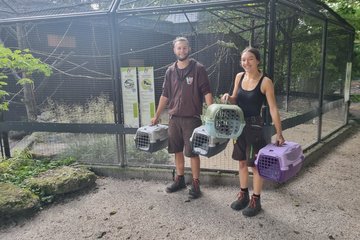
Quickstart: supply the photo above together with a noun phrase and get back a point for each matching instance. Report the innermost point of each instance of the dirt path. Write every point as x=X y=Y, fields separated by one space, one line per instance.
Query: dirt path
x=321 y=203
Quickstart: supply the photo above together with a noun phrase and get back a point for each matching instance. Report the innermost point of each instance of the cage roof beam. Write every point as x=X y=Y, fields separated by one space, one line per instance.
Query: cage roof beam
x=54 y=16
x=341 y=22
x=179 y=8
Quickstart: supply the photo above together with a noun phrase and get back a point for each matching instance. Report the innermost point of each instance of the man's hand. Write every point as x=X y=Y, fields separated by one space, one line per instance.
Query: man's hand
x=154 y=120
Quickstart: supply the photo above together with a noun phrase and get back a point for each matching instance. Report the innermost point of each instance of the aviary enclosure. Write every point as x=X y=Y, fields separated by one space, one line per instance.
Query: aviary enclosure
x=81 y=109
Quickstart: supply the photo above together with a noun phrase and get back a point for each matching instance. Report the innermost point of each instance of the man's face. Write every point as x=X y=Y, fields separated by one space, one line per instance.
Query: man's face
x=181 y=50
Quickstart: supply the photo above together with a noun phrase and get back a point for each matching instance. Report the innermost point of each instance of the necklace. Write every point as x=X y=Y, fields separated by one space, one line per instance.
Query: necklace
x=252 y=79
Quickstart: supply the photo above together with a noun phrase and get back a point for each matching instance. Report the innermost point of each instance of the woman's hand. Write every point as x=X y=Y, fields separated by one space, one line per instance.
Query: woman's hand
x=280 y=139
x=225 y=98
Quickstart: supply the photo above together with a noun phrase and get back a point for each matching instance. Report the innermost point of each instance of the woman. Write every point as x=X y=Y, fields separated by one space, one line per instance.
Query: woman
x=251 y=89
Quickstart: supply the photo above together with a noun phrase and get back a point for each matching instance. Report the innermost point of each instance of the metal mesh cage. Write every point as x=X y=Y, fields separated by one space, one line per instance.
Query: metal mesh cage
x=204 y=144
x=151 y=138
x=86 y=43
x=224 y=121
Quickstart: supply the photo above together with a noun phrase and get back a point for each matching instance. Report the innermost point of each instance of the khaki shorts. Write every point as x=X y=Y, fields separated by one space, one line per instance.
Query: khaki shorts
x=180 y=130
x=248 y=144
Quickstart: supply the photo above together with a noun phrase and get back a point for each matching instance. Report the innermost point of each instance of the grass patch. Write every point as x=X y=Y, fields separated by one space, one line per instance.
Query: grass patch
x=355 y=98
x=97 y=110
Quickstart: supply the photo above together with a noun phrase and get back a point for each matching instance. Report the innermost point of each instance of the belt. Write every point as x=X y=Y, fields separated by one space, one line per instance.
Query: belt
x=175 y=116
x=254 y=120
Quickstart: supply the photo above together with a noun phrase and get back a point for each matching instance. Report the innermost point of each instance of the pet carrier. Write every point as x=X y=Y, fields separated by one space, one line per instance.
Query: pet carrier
x=151 y=138
x=279 y=163
x=204 y=144
x=224 y=121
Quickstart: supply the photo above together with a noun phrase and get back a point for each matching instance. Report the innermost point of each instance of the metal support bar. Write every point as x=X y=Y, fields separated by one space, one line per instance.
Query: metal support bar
x=179 y=8
x=350 y=59
x=288 y=77
x=5 y=146
x=322 y=76
x=271 y=55
x=115 y=67
x=272 y=40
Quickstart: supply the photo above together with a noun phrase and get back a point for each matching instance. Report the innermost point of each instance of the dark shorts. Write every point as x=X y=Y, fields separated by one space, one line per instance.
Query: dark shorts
x=180 y=130
x=249 y=143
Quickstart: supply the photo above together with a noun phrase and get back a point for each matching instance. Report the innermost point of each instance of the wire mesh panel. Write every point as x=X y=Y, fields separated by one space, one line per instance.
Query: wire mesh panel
x=84 y=148
x=136 y=157
x=337 y=75
x=78 y=52
x=216 y=37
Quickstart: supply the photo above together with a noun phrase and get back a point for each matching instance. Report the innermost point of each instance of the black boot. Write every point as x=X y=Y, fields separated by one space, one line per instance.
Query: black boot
x=254 y=207
x=241 y=202
x=178 y=184
x=194 y=191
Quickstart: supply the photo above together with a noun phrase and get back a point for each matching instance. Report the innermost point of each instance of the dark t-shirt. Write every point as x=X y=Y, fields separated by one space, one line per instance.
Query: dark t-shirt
x=250 y=102
x=185 y=89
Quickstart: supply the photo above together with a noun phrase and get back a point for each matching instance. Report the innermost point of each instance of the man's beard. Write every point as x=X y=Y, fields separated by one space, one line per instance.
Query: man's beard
x=182 y=58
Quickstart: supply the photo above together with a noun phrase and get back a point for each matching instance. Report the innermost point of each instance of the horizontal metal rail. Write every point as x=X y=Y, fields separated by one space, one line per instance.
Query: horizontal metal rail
x=109 y=128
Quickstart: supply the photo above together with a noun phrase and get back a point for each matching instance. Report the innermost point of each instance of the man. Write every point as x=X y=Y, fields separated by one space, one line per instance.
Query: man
x=185 y=85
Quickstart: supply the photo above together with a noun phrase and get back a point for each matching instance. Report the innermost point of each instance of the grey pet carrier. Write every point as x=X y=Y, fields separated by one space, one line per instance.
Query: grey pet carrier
x=204 y=144
x=151 y=138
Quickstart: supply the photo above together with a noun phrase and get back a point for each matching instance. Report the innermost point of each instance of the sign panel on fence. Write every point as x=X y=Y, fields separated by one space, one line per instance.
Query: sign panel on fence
x=147 y=94
x=347 y=86
x=129 y=96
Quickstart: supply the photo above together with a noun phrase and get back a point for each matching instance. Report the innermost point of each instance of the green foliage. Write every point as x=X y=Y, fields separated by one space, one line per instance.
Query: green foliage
x=22 y=166
x=355 y=98
x=350 y=11
x=18 y=62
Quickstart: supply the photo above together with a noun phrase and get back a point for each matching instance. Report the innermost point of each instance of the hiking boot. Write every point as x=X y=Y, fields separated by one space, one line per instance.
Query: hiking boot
x=178 y=184
x=241 y=202
x=254 y=207
x=194 y=191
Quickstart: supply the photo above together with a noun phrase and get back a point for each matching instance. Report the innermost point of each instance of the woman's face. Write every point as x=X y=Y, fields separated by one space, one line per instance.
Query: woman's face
x=249 y=62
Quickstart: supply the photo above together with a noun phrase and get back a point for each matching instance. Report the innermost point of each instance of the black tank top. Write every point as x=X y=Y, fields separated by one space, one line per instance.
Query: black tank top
x=251 y=101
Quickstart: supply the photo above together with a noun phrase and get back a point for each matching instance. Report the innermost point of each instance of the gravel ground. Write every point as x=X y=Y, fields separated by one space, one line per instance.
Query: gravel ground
x=321 y=203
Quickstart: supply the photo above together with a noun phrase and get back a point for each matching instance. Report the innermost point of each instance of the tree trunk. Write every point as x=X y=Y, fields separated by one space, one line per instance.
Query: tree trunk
x=29 y=96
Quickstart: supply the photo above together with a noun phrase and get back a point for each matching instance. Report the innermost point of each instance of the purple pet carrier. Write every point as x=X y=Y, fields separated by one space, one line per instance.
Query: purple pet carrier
x=279 y=163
